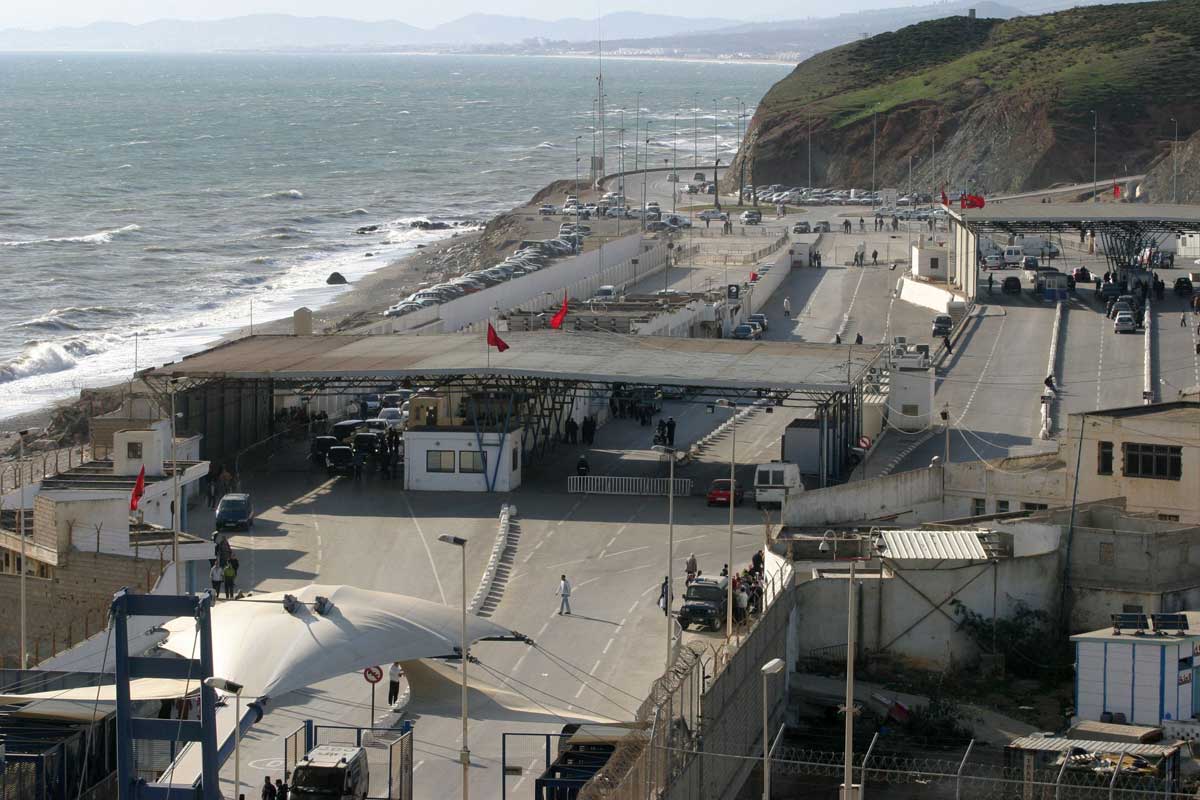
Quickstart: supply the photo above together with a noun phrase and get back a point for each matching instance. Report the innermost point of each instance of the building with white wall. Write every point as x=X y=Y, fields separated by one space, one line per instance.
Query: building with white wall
x=930 y=263
x=462 y=459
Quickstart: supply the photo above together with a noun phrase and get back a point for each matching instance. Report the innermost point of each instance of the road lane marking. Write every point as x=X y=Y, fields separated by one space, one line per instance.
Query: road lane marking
x=428 y=552
x=982 y=372
x=623 y=552
x=632 y=608
x=635 y=569
x=604 y=652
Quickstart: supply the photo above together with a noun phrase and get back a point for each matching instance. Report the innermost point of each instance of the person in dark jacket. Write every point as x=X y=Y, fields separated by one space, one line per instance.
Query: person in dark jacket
x=268 y=789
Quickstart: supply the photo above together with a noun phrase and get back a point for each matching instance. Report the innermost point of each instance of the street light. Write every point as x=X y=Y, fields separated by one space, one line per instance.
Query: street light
x=829 y=544
x=645 y=171
x=723 y=403
x=577 y=138
x=670 y=453
x=21 y=534
x=1175 y=163
x=234 y=688
x=1095 y=127
x=176 y=517
x=772 y=667
x=874 y=134
x=637 y=130
x=465 y=754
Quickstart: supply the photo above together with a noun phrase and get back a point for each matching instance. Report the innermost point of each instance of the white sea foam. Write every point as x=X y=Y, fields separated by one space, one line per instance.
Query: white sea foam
x=286 y=194
x=99 y=237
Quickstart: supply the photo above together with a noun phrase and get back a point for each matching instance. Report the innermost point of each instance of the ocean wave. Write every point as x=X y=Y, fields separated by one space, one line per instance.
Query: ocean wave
x=99 y=237
x=546 y=146
x=355 y=212
x=45 y=357
x=287 y=194
x=136 y=142
x=125 y=166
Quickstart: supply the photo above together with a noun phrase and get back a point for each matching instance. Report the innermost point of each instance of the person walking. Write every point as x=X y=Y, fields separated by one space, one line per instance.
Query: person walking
x=564 y=592
x=229 y=575
x=992 y=281
x=1183 y=320
x=670 y=431
x=787 y=304
x=691 y=567
x=946 y=344
x=281 y=789
x=268 y=789
x=395 y=673
x=874 y=258
x=862 y=226
x=858 y=338
x=217 y=575
x=837 y=338
x=664 y=597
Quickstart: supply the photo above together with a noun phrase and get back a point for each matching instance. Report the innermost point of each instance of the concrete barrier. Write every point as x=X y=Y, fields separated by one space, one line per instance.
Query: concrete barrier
x=1048 y=397
x=926 y=295
x=1147 y=367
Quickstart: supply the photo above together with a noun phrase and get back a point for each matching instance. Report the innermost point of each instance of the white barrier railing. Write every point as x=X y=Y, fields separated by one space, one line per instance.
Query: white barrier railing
x=499 y=548
x=1048 y=396
x=618 y=484
x=1147 y=375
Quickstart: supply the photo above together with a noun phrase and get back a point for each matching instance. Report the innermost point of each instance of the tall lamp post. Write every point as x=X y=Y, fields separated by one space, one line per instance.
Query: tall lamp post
x=234 y=688
x=465 y=754
x=577 y=138
x=21 y=533
x=1095 y=128
x=772 y=667
x=829 y=544
x=669 y=452
x=645 y=173
x=637 y=130
x=695 y=130
x=874 y=138
x=723 y=403
x=1175 y=163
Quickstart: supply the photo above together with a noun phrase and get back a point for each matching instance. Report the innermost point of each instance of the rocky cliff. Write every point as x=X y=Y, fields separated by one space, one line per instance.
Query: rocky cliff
x=991 y=105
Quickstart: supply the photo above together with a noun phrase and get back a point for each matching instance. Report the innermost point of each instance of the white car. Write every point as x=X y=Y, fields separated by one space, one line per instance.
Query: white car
x=993 y=261
x=713 y=214
x=394 y=417
x=547 y=210
x=1124 y=323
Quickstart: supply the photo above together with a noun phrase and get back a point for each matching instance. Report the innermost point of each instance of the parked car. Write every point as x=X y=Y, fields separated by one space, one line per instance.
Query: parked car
x=993 y=261
x=751 y=217
x=1124 y=323
x=760 y=320
x=713 y=214
x=705 y=603
x=718 y=493
x=1011 y=285
x=319 y=446
x=235 y=513
x=942 y=325
x=822 y=227
x=802 y=227
x=1183 y=286
x=547 y=210
x=745 y=331
x=339 y=461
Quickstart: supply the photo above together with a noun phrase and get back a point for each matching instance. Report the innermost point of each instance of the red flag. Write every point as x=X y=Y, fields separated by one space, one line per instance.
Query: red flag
x=1116 y=192
x=494 y=339
x=972 y=201
x=556 y=321
x=945 y=200
x=139 y=489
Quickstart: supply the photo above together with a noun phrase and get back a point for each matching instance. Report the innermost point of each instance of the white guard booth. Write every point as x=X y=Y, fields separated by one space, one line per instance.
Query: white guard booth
x=462 y=459
x=930 y=263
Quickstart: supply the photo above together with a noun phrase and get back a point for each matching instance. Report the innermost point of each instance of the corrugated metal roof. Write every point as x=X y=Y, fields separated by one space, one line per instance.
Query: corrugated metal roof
x=934 y=545
x=1058 y=744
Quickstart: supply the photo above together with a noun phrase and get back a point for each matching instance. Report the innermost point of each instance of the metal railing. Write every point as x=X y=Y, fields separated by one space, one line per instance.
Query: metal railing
x=37 y=466
x=627 y=485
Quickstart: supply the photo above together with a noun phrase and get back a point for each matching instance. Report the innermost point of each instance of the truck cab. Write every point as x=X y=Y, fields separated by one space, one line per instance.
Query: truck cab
x=332 y=772
x=774 y=482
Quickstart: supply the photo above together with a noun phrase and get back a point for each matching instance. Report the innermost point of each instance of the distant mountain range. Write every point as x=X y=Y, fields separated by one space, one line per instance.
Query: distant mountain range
x=285 y=32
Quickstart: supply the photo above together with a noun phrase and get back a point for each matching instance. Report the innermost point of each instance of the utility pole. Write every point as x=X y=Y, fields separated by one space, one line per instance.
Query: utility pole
x=21 y=533
x=874 y=137
x=176 y=516
x=645 y=171
x=637 y=131
x=716 y=160
x=946 y=443
x=695 y=130
x=810 y=183
x=1175 y=163
x=674 y=162
x=1095 y=128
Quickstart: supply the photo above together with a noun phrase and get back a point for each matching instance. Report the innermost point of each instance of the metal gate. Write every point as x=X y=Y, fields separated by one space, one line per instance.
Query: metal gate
x=389 y=755
x=617 y=484
x=293 y=750
x=400 y=755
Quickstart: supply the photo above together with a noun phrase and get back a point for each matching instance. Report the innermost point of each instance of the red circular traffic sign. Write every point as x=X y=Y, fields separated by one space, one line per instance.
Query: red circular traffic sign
x=373 y=674
x=864 y=442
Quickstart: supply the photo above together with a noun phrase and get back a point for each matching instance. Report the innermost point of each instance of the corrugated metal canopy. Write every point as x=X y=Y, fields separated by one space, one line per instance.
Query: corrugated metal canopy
x=561 y=355
x=934 y=545
x=1058 y=744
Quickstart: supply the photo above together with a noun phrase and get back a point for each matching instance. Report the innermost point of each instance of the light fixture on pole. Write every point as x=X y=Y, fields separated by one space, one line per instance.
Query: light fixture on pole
x=637 y=130
x=772 y=667
x=645 y=172
x=670 y=454
x=234 y=688
x=465 y=754
x=874 y=137
x=577 y=138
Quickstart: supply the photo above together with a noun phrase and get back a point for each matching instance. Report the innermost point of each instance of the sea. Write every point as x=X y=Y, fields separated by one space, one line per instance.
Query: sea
x=150 y=204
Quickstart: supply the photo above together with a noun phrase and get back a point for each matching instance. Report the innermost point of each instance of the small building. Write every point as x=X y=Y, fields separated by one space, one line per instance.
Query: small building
x=1133 y=672
x=1086 y=768
x=462 y=458
x=911 y=383
x=930 y=263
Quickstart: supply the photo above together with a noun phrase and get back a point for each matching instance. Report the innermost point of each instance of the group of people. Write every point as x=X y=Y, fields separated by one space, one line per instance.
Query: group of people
x=665 y=432
x=814 y=257
x=860 y=258
x=389 y=458
x=223 y=567
x=273 y=791
x=726 y=224
x=577 y=433
x=747 y=586
x=622 y=406
x=297 y=418
x=882 y=225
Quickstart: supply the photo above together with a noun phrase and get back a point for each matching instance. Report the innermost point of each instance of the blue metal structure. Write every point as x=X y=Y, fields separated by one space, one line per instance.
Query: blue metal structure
x=129 y=727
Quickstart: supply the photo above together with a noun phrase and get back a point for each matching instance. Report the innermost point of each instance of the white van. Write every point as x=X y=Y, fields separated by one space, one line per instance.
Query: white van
x=606 y=292
x=1013 y=255
x=332 y=772
x=774 y=482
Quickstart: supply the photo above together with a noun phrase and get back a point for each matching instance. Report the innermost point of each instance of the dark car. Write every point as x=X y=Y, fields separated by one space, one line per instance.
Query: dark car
x=1110 y=291
x=366 y=444
x=340 y=460
x=320 y=446
x=745 y=331
x=1082 y=275
x=718 y=493
x=235 y=513
x=942 y=325
x=1183 y=286
x=705 y=603
x=1011 y=285
x=342 y=431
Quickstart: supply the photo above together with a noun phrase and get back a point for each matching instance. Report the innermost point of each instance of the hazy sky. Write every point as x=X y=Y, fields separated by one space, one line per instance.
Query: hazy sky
x=42 y=14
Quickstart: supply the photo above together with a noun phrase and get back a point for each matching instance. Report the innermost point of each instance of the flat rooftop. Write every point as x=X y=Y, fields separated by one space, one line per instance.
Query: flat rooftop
x=1087 y=213
x=99 y=475
x=558 y=355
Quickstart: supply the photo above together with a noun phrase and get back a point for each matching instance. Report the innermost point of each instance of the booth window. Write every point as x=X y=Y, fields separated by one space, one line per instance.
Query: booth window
x=439 y=461
x=471 y=461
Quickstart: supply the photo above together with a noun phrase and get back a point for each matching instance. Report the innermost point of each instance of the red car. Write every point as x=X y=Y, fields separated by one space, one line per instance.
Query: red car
x=718 y=493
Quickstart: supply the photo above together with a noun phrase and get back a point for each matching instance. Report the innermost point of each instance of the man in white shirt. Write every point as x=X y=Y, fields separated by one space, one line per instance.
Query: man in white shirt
x=217 y=577
x=564 y=592
x=395 y=673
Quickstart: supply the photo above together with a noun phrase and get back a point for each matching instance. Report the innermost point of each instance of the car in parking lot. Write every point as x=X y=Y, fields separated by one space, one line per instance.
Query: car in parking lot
x=822 y=227
x=1124 y=323
x=705 y=603
x=751 y=217
x=718 y=493
x=760 y=320
x=993 y=261
x=802 y=227
x=745 y=331
x=1011 y=285
x=234 y=513
x=547 y=210
x=712 y=214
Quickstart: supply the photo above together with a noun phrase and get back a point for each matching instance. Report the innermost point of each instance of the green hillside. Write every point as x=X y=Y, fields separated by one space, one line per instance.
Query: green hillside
x=1008 y=103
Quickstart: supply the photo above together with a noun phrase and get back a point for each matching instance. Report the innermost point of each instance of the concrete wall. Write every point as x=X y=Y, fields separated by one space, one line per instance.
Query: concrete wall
x=498 y=463
x=916 y=495
x=926 y=295
x=1175 y=497
x=1042 y=483
x=64 y=609
x=896 y=619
